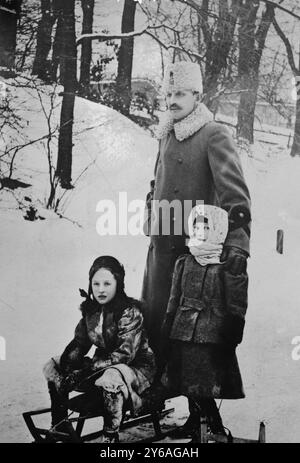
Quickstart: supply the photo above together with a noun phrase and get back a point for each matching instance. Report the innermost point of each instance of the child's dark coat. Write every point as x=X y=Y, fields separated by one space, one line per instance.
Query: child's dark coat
x=204 y=321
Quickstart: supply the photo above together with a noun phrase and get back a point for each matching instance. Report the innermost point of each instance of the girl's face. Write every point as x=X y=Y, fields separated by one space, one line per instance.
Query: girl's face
x=104 y=286
x=201 y=231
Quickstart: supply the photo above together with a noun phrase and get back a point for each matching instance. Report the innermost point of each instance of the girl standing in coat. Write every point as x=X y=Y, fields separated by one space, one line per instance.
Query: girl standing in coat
x=204 y=322
x=123 y=364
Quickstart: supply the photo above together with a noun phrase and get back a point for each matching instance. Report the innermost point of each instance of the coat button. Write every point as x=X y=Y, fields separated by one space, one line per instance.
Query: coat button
x=176 y=190
x=180 y=160
x=173 y=248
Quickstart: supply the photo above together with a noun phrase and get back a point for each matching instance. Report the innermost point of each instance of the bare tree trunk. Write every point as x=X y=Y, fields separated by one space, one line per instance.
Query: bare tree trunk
x=217 y=42
x=69 y=58
x=295 y=150
x=86 y=46
x=251 y=46
x=246 y=110
x=246 y=72
x=218 y=46
x=52 y=12
x=44 y=41
x=57 y=60
x=125 y=58
x=9 y=15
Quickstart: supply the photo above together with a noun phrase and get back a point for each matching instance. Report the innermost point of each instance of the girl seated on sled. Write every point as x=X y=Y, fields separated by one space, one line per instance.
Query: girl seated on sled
x=204 y=323
x=123 y=364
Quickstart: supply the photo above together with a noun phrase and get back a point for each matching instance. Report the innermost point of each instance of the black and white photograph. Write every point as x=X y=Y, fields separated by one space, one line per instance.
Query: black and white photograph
x=149 y=224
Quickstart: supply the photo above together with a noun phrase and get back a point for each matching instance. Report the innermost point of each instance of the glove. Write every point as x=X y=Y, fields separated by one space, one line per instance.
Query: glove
x=87 y=364
x=70 y=382
x=233 y=329
x=75 y=377
x=235 y=260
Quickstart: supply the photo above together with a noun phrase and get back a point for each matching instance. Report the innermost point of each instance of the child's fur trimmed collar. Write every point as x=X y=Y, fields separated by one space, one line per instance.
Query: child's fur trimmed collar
x=117 y=305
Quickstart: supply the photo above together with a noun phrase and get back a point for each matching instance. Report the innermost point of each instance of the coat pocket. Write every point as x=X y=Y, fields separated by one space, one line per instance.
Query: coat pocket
x=186 y=318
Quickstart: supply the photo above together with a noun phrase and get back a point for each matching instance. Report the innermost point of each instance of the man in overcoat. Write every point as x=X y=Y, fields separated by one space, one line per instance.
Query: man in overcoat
x=197 y=162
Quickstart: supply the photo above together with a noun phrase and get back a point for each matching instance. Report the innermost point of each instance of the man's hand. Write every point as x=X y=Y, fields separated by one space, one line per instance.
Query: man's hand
x=235 y=260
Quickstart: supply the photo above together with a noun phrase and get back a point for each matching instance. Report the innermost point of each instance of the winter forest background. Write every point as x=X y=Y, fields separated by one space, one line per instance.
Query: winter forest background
x=79 y=102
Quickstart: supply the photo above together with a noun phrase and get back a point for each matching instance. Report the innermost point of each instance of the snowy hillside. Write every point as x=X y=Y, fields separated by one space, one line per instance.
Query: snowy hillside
x=43 y=263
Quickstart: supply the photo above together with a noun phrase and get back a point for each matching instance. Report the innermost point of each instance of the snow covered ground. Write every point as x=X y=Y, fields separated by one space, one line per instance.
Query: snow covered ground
x=43 y=263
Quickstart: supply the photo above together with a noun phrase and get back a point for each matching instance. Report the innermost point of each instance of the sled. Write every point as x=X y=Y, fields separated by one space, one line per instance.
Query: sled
x=85 y=409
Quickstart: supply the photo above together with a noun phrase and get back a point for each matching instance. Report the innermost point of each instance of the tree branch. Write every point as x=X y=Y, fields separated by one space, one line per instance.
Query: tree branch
x=287 y=46
x=196 y=6
x=277 y=5
x=7 y=10
x=107 y=36
x=175 y=47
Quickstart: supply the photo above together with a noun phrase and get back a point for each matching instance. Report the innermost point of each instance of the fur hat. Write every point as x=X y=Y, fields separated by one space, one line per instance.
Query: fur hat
x=182 y=75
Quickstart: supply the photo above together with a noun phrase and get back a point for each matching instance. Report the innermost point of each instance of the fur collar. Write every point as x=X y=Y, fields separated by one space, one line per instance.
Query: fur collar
x=117 y=305
x=186 y=127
